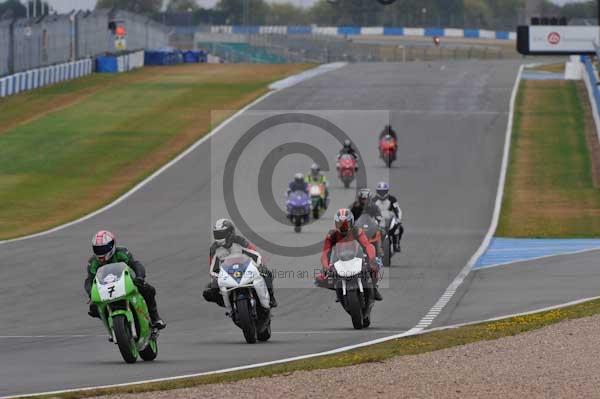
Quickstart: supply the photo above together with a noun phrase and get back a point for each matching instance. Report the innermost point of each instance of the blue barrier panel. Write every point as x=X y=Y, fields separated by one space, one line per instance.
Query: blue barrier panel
x=393 y=31
x=500 y=35
x=299 y=30
x=2 y=88
x=348 y=30
x=107 y=64
x=434 y=32
x=253 y=30
x=191 y=57
x=471 y=33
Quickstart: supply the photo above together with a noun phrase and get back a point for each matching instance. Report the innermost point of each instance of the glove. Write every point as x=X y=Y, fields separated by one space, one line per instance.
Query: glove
x=374 y=264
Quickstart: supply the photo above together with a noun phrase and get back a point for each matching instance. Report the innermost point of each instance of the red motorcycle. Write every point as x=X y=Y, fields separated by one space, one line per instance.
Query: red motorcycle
x=346 y=167
x=387 y=149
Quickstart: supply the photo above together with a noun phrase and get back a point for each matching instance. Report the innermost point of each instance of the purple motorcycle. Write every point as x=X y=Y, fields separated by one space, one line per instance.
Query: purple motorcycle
x=298 y=208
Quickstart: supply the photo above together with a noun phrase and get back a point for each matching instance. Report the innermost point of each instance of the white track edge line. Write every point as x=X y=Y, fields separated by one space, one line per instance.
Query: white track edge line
x=458 y=280
x=147 y=180
x=178 y=158
x=409 y=333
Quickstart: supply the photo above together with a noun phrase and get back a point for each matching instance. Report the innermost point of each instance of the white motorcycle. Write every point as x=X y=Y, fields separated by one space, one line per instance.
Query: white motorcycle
x=246 y=297
x=389 y=223
x=352 y=282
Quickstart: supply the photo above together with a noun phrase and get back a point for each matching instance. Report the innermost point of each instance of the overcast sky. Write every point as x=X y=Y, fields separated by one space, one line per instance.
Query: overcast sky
x=67 y=5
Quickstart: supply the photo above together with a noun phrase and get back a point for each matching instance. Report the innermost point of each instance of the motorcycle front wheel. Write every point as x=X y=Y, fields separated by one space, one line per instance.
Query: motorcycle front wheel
x=244 y=310
x=355 y=308
x=124 y=338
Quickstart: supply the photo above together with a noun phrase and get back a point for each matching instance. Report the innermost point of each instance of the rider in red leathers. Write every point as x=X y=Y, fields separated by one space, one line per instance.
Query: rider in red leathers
x=346 y=231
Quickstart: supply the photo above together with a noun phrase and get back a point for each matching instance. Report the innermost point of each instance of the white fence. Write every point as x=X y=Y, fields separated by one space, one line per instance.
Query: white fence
x=130 y=62
x=40 y=77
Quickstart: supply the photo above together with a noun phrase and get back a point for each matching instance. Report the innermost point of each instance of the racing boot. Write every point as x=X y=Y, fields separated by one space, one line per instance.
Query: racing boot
x=157 y=322
x=375 y=280
x=376 y=294
x=272 y=300
x=268 y=276
x=397 y=247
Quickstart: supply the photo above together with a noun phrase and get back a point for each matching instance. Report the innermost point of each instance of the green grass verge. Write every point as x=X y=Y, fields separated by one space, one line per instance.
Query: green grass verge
x=68 y=162
x=415 y=345
x=550 y=190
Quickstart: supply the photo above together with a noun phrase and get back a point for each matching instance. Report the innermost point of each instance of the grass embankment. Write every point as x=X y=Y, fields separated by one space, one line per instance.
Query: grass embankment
x=376 y=353
x=550 y=189
x=68 y=149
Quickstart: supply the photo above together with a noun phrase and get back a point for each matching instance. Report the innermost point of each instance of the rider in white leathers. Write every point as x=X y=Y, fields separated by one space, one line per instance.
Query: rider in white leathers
x=386 y=202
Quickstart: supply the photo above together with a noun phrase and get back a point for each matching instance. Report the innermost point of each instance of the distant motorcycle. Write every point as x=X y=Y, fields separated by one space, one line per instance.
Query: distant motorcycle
x=246 y=297
x=317 y=197
x=352 y=282
x=388 y=146
x=124 y=312
x=298 y=209
x=346 y=167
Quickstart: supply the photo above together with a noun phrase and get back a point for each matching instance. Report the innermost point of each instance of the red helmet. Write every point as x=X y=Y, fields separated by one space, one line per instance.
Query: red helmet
x=344 y=221
x=104 y=245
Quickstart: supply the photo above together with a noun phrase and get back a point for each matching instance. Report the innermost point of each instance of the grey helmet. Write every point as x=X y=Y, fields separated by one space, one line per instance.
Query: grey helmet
x=223 y=232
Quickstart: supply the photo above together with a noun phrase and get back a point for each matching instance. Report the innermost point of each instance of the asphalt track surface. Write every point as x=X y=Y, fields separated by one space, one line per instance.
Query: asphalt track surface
x=524 y=286
x=452 y=122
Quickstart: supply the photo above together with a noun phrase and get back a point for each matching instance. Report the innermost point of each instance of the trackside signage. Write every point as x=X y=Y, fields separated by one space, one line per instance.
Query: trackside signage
x=550 y=40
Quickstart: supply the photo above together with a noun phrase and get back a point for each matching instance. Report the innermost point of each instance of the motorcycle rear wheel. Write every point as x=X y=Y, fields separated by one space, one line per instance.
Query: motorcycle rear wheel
x=150 y=352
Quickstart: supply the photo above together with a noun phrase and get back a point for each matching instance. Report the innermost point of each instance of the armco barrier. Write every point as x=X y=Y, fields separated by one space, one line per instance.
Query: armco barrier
x=365 y=31
x=40 y=77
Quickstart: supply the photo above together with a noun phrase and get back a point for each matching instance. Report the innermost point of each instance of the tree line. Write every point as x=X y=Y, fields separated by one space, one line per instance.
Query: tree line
x=485 y=14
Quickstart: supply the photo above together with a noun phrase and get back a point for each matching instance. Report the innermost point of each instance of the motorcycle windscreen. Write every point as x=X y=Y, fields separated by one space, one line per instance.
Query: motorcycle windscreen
x=298 y=198
x=110 y=281
x=110 y=273
x=235 y=268
x=345 y=251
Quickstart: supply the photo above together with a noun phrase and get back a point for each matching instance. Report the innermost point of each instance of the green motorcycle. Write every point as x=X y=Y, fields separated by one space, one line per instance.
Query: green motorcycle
x=124 y=312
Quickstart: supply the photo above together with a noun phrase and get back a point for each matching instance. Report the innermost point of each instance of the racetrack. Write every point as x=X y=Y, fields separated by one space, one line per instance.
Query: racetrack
x=452 y=124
